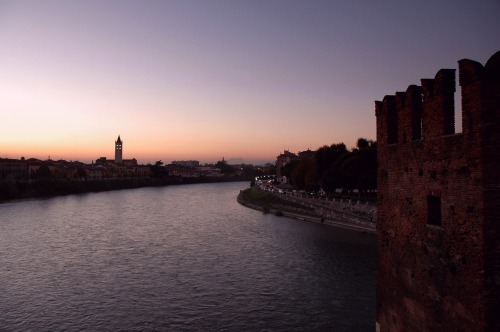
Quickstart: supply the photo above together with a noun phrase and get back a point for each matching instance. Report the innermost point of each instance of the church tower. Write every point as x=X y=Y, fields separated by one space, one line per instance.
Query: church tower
x=118 y=150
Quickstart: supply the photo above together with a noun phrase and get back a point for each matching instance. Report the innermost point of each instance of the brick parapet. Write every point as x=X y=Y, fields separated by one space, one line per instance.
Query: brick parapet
x=442 y=277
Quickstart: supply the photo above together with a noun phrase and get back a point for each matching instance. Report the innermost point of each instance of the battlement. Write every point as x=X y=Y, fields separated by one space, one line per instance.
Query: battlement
x=428 y=111
x=438 y=203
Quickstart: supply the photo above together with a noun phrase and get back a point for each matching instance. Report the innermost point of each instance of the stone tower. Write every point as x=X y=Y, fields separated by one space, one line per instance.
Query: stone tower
x=118 y=150
x=438 y=209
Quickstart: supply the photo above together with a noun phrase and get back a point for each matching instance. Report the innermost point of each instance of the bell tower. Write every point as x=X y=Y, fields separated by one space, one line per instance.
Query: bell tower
x=118 y=150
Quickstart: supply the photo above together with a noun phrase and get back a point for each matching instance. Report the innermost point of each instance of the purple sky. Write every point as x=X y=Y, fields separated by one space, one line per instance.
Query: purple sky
x=210 y=79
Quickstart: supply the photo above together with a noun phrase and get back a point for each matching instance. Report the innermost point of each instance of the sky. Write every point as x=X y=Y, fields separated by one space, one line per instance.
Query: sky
x=207 y=79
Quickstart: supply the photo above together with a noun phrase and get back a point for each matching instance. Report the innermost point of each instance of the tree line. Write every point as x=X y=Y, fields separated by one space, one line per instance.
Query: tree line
x=335 y=167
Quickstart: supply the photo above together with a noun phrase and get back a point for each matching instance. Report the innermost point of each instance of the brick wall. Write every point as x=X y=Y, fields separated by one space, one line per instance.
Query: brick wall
x=438 y=206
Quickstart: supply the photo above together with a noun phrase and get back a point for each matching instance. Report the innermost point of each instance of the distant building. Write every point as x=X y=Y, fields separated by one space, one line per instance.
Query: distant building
x=181 y=171
x=308 y=154
x=209 y=171
x=13 y=168
x=283 y=159
x=119 y=167
x=130 y=162
x=101 y=160
x=118 y=150
x=187 y=163
x=95 y=172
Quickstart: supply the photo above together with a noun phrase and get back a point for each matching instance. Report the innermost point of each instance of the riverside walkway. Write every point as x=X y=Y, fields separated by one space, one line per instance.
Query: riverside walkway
x=349 y=214
x=354 y=212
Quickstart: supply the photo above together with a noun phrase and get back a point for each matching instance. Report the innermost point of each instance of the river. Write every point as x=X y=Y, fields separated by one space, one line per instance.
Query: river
x=178 y=258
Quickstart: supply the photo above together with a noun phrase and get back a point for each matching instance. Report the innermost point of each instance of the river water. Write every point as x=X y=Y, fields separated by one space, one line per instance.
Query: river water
x=178 y=258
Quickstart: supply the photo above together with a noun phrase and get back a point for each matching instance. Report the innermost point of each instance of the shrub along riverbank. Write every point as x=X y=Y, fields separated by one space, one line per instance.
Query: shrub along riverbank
x=258 y=199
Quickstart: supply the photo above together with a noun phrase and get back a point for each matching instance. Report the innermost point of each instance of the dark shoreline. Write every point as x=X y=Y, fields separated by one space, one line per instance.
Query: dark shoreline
x=22 y=189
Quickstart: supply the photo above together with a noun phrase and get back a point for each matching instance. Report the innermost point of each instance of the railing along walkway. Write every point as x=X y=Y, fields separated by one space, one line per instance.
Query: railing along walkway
x=352 y=211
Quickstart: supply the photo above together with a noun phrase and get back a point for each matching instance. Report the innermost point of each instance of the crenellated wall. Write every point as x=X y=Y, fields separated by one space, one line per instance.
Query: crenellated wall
x=438 y=209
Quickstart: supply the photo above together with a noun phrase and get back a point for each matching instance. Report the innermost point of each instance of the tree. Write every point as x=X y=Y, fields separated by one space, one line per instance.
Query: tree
x=335 y=167
x=359 y=168
x=327 y=166
x=44 y=172
x=224 y=167
x=157 y=169
x=80 y=173
x=288 y=168
x=363 y=143
x=304 y=175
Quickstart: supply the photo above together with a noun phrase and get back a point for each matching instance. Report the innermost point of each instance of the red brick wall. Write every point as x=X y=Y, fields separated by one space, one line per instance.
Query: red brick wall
x=444 y=277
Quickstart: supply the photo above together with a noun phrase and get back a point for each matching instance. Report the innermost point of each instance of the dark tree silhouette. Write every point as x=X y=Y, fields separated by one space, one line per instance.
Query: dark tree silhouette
x=288 y=169
x=336 y=167
x=80 y=173
x=44 y=172
x=328 y=175
x=158 y=170
x=304 y=175
x=224 y=167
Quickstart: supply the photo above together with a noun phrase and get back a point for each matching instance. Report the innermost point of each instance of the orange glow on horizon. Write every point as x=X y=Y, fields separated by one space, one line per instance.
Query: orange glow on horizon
x=148 y=151
x=177 y=81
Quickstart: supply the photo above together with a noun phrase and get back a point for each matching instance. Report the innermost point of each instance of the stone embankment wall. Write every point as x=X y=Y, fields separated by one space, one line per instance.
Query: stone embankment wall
x=351 y=215
x=438 y=225
x=344 y=210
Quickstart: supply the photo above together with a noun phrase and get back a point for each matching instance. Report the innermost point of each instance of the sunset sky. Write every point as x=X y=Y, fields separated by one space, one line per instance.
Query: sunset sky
x=209 y=79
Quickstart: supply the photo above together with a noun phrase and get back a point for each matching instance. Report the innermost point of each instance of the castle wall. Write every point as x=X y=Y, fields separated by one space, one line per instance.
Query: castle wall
x=438 y=204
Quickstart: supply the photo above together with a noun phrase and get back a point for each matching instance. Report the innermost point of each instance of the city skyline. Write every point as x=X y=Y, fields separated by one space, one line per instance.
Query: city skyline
x=210 y=79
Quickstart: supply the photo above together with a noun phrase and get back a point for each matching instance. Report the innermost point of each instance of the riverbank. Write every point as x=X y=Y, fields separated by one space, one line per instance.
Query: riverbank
x=328 y=214
x=22 y=189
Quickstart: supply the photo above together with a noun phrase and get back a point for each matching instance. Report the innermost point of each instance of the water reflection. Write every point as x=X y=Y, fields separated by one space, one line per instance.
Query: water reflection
x=184 y=258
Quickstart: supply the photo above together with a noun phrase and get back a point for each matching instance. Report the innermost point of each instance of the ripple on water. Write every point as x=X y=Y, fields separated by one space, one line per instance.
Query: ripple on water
x=183 y=258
